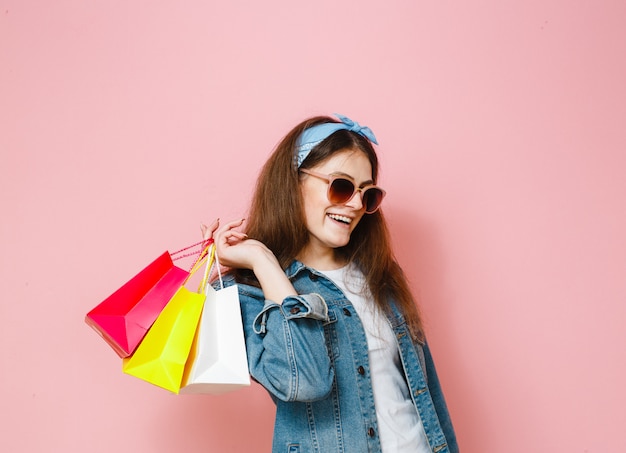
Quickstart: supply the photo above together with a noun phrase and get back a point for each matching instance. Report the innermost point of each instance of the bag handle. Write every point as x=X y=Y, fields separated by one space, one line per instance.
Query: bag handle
x=219 y=273
x=177 y=254
x=213 y=263
x=210 y=258
x=202 y=254
x=205 y=257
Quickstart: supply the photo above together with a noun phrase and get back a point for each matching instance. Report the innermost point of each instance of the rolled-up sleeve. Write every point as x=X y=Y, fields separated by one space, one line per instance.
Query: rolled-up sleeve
x=311 y=306
x=286 y=345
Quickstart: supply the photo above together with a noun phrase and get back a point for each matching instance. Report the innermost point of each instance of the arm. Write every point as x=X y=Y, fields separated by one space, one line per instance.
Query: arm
x=286 y=346
x=284 y=331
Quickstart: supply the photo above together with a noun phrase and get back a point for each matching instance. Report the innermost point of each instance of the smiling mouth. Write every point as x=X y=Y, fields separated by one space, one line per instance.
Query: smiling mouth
x=340 y=218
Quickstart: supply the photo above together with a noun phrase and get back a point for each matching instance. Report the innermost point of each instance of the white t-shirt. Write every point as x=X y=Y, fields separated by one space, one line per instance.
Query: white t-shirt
x=399 y=423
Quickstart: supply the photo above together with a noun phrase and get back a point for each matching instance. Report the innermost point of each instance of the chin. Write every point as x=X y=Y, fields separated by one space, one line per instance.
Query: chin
x=339 y=243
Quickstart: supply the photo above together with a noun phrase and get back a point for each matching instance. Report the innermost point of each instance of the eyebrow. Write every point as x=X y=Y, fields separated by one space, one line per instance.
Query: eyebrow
x=369 y=182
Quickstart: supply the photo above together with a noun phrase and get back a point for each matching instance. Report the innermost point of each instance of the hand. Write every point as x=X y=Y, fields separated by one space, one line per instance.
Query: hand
x=209 y=231
x=236 y=250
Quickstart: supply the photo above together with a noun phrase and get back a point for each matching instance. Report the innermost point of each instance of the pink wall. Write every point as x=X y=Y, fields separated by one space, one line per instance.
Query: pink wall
x=123 y=124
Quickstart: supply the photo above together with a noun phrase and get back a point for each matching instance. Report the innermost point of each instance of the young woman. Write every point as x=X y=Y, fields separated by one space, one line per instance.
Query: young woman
x=332 y=330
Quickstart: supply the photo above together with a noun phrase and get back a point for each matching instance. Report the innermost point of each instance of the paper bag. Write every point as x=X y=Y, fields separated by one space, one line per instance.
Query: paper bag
x=126 y=315
x=160 y=358
x=217 y=362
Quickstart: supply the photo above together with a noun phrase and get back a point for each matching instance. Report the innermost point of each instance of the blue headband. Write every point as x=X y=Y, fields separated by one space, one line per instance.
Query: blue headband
x=314 y=135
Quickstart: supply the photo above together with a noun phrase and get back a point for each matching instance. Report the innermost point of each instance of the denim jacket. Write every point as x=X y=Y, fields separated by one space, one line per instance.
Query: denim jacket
x=311 y=355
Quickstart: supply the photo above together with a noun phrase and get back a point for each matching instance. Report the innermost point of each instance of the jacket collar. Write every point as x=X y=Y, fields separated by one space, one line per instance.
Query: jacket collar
x=295 y=268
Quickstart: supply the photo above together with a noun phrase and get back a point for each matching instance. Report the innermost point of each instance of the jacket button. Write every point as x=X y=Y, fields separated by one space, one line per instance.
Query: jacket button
x=361 y=370
x=313 y=277
x=347 y=312
x=295 y=310
x=371 y=432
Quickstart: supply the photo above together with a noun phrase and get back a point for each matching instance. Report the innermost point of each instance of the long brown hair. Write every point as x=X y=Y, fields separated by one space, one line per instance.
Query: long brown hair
x=276 y=218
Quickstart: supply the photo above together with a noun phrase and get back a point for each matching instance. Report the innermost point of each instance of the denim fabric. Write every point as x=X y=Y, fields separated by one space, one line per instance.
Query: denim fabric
x=310 y=353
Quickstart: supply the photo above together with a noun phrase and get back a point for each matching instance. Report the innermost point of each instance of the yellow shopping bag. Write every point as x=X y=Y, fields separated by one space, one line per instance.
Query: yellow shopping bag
x=161 y=356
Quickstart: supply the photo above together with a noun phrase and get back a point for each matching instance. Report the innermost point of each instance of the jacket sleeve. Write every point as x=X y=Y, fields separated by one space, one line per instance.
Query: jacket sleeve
x=286 y=345
x=439 y=401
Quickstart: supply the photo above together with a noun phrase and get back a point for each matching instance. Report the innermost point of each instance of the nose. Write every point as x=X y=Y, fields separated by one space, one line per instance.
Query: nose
x=356 y=202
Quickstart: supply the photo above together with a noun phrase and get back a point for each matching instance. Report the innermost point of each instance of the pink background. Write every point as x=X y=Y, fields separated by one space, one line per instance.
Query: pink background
x=124 y=124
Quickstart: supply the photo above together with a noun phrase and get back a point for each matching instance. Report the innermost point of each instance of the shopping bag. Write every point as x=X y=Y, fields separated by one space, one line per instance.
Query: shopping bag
x=217 y=362
x=124 y=317
x=160 y=358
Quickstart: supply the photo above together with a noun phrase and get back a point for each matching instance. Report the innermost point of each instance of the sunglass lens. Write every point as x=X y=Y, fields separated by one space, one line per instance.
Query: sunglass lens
x=372 y=199
x=341 y=190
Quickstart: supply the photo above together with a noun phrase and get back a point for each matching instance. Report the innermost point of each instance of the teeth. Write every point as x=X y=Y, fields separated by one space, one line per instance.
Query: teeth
x=340 y=218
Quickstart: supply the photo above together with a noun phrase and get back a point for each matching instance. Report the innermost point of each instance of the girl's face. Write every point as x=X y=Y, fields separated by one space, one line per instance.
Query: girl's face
x=330 y=225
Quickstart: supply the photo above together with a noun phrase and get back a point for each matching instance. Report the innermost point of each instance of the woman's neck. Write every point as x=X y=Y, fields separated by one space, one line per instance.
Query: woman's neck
x=326 y=260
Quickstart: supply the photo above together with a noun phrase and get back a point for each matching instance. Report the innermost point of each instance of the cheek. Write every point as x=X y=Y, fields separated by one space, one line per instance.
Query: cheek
x=313 y=198
x=312 y=208
x=306 y=204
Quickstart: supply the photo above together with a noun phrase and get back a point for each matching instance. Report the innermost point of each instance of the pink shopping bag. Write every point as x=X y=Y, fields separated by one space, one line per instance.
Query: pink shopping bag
x=124 y=317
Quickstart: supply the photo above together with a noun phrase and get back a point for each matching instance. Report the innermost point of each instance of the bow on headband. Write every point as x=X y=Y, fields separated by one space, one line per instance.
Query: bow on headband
x=314 y=135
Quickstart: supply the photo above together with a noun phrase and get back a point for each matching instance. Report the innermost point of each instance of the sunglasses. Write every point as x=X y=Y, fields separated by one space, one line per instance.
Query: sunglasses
x=341 y=189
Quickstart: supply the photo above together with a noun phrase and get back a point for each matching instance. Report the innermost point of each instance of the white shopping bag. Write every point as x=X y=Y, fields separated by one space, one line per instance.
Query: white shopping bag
x=217 y=362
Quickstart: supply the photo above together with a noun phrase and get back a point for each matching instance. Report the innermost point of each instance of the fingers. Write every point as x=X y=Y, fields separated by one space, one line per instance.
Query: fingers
x=234 y=224
x=231 y=237
x=209 y=231
x=227 y=233
x=230 y=245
